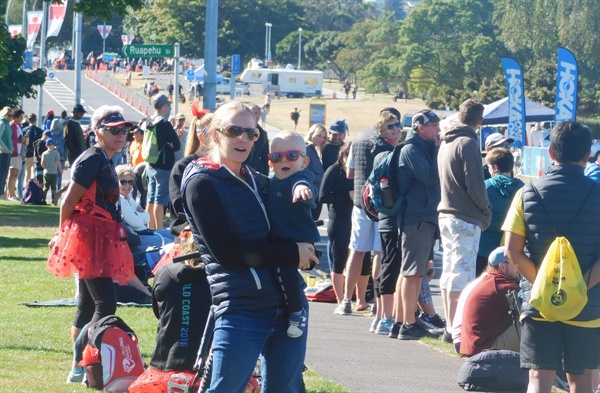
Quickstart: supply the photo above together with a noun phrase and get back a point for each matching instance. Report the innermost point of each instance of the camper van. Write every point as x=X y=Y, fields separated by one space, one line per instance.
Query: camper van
x=284 y=82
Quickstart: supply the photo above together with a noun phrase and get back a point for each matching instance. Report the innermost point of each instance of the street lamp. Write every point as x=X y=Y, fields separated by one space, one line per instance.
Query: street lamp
x=299 y=48
x=268 y=42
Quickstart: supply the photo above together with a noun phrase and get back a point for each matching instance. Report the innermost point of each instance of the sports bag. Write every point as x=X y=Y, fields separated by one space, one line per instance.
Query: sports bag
x=33 y=193
x=109 y=351
x=559 y=292
x=380 y=192
x=493 y=370
x=150 y=150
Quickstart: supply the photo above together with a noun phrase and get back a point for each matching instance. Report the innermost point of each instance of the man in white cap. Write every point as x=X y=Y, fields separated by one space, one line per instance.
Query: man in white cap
x=494 y=140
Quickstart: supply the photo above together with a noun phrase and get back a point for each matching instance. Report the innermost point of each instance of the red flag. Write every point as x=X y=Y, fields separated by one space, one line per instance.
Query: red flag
x=56 y=16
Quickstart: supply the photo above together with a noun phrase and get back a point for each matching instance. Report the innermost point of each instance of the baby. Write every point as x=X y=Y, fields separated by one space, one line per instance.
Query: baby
x=291 y=198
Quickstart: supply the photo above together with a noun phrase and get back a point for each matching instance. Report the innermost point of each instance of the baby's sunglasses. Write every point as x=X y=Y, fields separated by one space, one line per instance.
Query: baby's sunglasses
x=290 y=155
x=232 y=131
x=124 y=182
x=117 y=130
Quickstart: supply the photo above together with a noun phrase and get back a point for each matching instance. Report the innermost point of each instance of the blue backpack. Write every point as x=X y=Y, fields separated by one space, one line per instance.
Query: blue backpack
x=380 y=192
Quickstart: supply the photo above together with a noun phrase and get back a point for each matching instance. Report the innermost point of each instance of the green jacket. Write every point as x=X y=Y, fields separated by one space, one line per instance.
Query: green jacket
x=6 y=145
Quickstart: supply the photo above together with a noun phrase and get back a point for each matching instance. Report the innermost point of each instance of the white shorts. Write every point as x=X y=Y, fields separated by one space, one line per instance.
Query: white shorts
x=16 y=162
x=365 y=234
x=460 y=241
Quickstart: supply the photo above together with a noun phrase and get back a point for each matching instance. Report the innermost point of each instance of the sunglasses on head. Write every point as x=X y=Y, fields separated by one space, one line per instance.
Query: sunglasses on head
x=394 y=125
x=290 y=155
x=124 y=182
x=117 y=130
x=232 y=131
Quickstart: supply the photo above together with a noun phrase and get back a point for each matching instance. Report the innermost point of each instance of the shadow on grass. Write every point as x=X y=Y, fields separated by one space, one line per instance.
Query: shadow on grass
x=28 y=215
x=36 y=349
x=15 y=242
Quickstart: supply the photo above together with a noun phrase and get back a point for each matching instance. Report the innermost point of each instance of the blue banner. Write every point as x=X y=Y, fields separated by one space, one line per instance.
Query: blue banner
x=566 y=87
x=516 y=101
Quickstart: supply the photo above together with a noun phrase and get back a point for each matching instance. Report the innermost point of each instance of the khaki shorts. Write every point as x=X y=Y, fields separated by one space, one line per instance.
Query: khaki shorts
x=460 y=241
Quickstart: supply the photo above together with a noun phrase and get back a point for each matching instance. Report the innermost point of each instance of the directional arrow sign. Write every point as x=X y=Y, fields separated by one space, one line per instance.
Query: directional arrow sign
x=148 y=51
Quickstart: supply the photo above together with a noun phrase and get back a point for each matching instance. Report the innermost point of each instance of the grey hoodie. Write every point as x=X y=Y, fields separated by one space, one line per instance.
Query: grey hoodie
x=461 y=178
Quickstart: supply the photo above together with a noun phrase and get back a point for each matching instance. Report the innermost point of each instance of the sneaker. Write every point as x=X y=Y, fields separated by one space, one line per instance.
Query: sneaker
x=14 y=199
x=297 y=322
x=373 y=310
x=414 y=332
x=447 y=337
x=435 y=322
x=395 y=330
x=384 y=326
x=374 y=325
x=344 y=308
x=76 y=375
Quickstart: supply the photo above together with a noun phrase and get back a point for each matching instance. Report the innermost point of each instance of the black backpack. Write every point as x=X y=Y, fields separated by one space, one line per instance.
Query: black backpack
x=33 y=193
x=493 y=370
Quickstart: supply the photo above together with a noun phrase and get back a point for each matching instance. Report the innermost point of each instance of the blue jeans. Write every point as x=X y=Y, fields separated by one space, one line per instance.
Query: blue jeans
x=4 y=165
x=241 y=337
x=21 y=181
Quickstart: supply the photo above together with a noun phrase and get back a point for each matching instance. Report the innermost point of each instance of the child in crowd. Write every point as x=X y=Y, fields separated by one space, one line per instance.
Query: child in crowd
x=52 y=167
x=291 y=198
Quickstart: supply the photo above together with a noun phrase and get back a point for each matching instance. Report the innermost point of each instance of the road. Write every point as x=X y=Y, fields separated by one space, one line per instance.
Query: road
x=59 y=95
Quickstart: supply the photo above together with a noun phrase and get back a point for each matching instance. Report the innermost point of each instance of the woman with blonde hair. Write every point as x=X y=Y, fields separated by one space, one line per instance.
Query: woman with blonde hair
x=195 y=147
x=316 y=139
x=225 y=201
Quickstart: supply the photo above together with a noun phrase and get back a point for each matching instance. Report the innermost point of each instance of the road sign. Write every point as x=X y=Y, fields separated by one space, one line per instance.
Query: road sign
x=189 y=73
x=51 y=75
x=148 y=51
x=235 y=64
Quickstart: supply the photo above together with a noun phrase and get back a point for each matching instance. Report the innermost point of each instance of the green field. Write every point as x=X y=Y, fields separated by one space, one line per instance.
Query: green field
x=35 y=347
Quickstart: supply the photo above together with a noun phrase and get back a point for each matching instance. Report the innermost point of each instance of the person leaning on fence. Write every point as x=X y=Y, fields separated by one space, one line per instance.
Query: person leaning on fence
x=564 y=202
x=224 y=202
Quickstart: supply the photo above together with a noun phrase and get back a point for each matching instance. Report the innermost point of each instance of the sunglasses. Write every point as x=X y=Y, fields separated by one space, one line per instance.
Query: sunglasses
x=290 y=155
x=9 y=115
x=124 y=182
x=117 y=131
x=394 y=125
x=236 y=131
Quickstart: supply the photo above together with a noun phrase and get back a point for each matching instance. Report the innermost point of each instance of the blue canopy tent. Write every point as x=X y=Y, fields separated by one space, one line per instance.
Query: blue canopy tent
x=497 y=112
x=198 y=75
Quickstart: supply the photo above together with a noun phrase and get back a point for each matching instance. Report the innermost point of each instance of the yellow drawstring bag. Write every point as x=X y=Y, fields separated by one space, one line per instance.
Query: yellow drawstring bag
x=559 y=292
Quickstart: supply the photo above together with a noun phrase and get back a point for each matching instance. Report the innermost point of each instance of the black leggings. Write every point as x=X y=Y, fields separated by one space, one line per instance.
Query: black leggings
x=96 y=299
x=391 y=259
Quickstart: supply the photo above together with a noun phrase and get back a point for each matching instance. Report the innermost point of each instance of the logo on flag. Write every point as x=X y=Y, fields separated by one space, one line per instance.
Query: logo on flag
x=15 y=30
x=56 y=17
x=127 y=39
x=34 y=21
x=566 y=87
x=104 y=30
x=516 y=101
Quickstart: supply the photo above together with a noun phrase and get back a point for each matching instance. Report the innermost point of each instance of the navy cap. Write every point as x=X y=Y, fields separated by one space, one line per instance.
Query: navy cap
x=338 y=127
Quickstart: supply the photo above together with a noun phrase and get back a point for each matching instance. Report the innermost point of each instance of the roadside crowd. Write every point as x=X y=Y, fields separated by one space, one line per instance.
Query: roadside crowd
x=493 y=229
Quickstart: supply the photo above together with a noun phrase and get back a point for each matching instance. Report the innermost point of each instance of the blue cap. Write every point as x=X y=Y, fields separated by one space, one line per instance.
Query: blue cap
x=338 y=127
x=497 y=257
x=50 y=141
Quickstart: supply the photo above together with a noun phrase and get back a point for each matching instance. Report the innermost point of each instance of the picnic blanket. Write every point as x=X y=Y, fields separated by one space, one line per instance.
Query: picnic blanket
x=71 y=302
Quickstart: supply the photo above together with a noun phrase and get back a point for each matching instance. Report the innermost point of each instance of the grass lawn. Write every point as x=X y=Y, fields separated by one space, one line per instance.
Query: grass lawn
x=35 y=347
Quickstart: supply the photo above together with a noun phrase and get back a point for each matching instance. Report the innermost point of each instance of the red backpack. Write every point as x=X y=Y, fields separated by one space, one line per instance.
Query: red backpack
x=110 y=353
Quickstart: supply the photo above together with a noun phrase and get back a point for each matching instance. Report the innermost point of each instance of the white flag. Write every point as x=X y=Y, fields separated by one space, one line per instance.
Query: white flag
x=34 y=21
x=56 y=17
x=104 y=30
x=15 y=30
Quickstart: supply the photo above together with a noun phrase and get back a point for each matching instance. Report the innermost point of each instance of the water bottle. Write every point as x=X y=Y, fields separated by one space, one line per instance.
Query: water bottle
x=386 y=191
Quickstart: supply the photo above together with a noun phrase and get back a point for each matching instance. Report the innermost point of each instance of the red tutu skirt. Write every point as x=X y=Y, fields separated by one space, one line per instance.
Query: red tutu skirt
x=91 y=246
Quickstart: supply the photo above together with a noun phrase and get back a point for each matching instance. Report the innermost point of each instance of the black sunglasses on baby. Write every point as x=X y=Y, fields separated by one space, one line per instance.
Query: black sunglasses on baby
x=124 y=182
x=290 y=155
x=232 y=131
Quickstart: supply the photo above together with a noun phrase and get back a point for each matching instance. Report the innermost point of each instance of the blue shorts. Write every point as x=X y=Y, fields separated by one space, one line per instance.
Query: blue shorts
x=158 y=186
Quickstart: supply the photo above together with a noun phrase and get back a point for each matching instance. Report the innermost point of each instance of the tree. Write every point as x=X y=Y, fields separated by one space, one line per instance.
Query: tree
x=15 y=82
x=287 y=49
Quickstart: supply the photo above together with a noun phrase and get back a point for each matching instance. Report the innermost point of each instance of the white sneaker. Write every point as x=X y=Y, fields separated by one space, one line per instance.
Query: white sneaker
x=76 y=375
